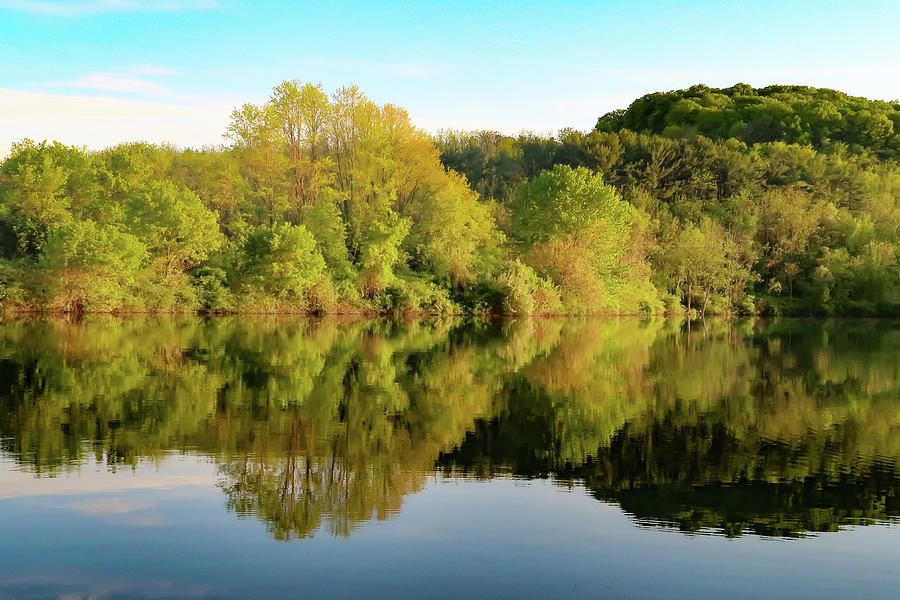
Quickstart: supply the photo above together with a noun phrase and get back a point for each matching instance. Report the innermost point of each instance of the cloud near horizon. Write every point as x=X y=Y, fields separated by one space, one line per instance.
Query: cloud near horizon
x=100 y=122
x=115 y=82
x=124 y=81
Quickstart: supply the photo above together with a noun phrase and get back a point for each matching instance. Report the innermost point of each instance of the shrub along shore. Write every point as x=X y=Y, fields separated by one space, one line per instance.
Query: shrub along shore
x=780 y=200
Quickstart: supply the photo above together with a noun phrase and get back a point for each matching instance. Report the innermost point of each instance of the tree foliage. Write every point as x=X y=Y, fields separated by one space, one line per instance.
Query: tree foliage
x=788 y=194
x=780 y=200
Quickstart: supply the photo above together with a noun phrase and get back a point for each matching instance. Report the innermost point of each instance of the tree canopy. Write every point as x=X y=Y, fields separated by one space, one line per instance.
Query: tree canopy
x=779 y=200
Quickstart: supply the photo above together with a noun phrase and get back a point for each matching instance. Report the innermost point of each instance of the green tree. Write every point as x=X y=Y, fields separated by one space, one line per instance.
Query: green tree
x=281 y=260
x=177 y=229
x=575 y=229
x=704 y=265
x=86 y=266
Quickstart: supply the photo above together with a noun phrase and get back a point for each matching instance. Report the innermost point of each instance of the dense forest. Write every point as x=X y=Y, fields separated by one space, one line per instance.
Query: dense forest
x=780 y=200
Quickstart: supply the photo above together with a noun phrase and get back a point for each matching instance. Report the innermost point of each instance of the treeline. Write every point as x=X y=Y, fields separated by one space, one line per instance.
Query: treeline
x=824 y=119
x=780 y=200
x=326 y=204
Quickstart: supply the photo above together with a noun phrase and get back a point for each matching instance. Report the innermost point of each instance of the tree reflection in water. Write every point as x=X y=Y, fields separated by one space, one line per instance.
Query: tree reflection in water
x=778 y=428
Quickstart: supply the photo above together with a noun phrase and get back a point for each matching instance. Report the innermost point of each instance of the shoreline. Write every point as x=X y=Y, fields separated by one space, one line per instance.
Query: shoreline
x=399 y=316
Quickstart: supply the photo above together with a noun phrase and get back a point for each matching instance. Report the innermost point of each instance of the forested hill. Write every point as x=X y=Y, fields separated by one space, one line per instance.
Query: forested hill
x=779 y=200
x=784 y=200
x=822 y=118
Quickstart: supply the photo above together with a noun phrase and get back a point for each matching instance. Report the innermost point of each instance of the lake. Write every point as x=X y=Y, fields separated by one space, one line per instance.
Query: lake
x=251 y=457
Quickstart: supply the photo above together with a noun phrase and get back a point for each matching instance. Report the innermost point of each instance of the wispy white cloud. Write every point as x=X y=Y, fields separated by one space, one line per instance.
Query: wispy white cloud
x=115 y=82
x=63 y=8
x=151 y=70
x=396 y=69
x=135 y=81
x=98 y=122
x=400 y=70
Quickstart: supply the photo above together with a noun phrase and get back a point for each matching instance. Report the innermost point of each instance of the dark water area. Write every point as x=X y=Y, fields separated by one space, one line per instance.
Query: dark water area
x=236 y=457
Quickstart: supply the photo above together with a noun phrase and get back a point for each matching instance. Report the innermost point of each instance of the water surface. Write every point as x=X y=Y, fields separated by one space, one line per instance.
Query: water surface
x=160 y=457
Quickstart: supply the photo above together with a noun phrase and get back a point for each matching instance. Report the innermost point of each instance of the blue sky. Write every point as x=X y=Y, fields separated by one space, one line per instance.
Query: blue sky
x=94 y=72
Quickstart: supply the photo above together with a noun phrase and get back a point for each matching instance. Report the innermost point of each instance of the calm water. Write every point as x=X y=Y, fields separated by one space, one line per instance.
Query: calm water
x=246 y=458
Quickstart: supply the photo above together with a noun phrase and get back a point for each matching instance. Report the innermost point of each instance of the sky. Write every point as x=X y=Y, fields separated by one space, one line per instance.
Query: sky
x=97 y=72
